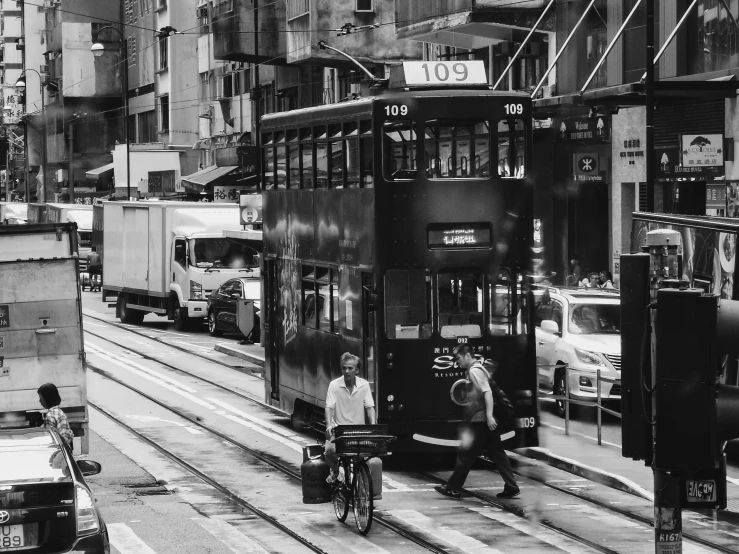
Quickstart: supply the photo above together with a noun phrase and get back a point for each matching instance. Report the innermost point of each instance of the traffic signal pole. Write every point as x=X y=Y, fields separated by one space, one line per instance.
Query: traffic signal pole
x=663 y=271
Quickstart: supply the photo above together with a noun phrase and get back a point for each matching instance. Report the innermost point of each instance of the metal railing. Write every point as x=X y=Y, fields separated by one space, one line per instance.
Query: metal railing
x=589 y=403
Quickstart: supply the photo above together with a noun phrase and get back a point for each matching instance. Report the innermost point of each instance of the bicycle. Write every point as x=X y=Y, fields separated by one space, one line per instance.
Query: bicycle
x=355 y=444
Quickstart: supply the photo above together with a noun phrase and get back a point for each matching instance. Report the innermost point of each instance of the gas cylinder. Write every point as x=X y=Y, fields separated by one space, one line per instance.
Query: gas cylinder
x=375 y=467
x=314 y=471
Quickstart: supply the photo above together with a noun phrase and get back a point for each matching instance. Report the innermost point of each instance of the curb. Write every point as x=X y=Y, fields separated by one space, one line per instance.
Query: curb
x=235 y=352
x=590 y=473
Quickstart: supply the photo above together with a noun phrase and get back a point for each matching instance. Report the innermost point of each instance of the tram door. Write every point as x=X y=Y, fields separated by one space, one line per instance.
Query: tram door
x=269 y=322
x=369 y=301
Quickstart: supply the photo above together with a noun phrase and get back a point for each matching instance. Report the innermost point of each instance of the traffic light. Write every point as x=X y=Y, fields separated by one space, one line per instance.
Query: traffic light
x=696 y=333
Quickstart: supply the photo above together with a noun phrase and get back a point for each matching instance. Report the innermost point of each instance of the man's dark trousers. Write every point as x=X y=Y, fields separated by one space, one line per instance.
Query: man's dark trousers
x=482 y=439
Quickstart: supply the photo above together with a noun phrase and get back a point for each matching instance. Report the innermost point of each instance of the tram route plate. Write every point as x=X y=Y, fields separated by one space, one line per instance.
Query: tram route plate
x=700 y=491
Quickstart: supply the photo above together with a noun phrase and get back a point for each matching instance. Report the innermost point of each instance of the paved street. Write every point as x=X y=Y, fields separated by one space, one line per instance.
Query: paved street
x=194 y=462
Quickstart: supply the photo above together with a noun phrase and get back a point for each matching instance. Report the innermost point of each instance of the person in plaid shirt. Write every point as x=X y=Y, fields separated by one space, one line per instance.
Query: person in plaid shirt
x=48 y=396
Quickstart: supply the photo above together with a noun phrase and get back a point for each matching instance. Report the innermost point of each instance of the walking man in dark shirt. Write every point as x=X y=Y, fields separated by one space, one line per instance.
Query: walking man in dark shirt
x=94 y=269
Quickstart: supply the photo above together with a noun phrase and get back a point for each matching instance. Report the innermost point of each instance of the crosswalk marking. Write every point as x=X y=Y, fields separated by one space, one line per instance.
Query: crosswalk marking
x=126 y=541
x=450 y=536
x=349 y=542
x=524 y=526
x=234 y=539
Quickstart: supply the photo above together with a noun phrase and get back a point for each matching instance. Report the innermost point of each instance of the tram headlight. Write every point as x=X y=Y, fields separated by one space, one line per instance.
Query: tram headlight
x=390 y=398
x=390 y=365
x=389 y=356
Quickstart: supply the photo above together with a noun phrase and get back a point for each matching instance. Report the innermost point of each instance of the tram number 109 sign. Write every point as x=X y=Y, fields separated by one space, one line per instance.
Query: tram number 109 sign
x=469 y=72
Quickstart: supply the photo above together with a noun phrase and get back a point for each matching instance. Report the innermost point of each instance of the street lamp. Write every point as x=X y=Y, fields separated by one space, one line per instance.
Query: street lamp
x=21 y=84
x=98 y=49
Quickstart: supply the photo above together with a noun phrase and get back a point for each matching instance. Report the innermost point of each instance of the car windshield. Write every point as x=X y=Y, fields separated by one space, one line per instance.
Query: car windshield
x=591 y=319
x=221 y=253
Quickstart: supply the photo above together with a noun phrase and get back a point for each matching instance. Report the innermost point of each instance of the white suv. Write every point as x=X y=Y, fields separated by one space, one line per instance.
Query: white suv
x=580 y=328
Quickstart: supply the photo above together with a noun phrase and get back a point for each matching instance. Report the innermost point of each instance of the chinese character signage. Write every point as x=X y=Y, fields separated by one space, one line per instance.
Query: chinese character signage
x=593 y=130
x=12 y=107
x=702 y=150
x=4 y=316
x=227 y=194
x=458 y=236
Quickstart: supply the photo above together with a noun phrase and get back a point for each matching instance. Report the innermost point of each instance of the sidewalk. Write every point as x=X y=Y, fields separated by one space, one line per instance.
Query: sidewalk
x=253 y=353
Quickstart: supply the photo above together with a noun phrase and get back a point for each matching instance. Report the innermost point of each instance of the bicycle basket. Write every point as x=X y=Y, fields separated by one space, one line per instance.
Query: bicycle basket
x=361 y=440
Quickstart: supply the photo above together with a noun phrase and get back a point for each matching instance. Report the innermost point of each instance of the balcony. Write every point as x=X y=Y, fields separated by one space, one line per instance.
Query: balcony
x=232 y=22
x=469 y=24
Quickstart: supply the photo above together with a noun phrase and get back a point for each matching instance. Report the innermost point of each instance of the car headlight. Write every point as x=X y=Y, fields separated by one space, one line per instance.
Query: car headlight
x=196 y=291
x=590 y=358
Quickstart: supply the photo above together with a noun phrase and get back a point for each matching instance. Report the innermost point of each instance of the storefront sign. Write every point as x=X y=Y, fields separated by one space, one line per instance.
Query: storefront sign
x=12 y=107
x=4 y=316
x=463 y=235
x=582 y=129
x=716 y=196
x=702 y=150
x=226 y=194
x=668 y=166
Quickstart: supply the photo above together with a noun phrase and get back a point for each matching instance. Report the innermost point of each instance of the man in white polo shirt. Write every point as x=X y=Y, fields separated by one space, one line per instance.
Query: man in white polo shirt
x=348 y=402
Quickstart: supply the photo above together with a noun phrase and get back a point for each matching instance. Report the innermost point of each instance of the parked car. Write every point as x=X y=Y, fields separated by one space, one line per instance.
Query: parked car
x=222 y=305
x=580 y=328
x=45 y=504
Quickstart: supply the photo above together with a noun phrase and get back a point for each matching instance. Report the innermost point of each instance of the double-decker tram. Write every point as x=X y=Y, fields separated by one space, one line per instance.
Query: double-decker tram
x=397 y=227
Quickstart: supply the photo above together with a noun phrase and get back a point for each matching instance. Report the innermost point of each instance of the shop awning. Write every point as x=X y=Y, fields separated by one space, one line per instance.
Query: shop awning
x=102 y=171
x=201 y=179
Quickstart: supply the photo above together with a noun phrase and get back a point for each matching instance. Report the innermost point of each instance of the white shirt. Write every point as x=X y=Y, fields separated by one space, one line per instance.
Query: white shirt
x=349 y=406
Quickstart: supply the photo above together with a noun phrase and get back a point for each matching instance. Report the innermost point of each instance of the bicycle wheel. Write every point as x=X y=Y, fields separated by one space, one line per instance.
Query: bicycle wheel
x=340 y=497
x=362 y=492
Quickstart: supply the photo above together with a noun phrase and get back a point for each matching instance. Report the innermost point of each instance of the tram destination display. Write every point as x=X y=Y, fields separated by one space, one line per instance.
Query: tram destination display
x=459 y=235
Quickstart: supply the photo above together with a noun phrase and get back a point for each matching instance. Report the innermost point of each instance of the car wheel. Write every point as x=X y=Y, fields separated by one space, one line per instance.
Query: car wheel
x=560 y=390
x=181 y=320
x=212 y=325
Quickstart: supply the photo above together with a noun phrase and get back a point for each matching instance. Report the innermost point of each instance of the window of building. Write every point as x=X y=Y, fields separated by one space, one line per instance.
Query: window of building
x=408 y=304
x=297 y=8
x=147 y=126
x=457 y=149
x=399 y=144
x=226 y=86
x=164 y=113
x=161 y=182
x=163 y=53
x=511 y=149
x=131 y=53
x=364 y=6
x=460 y=303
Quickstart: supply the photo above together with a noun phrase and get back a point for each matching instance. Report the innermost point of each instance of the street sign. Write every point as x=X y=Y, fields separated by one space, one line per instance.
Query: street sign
x=587 y=167
x=702 y=150
x=589 y=130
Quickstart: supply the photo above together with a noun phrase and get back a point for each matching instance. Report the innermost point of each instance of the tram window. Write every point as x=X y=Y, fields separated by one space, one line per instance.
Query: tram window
x=293 y=155
x=321 y=166
x=306 y=150
x=399 y=142
x=352 y=163
x=367 y=164
x=501 y=318
x=337 y=164
x=408 y=304
x=281 y=167
x=460 y=303
x=269 y=168
x=511 y=149
x=320 y=298
x=457 y=149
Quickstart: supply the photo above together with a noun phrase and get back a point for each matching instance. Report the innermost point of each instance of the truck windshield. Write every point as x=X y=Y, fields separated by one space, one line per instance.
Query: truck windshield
x=221 y=252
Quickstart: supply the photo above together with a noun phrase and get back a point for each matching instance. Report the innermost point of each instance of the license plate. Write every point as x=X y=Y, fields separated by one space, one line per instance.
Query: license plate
x=11 y=536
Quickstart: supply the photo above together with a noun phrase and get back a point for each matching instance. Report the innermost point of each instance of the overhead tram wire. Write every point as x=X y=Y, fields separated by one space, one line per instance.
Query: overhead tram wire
x=97 y=19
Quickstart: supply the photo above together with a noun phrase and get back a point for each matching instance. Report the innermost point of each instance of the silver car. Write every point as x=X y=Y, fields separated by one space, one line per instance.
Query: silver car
x=579 y=328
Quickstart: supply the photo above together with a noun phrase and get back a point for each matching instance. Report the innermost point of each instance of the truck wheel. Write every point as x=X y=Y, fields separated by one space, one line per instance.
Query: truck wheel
x=126 y=314
x=181 y=320
x=212 y=328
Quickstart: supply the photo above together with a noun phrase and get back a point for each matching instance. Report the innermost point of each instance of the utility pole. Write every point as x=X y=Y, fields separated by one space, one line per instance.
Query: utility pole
x=650 y=104
x=70 y=170
x=257 y=91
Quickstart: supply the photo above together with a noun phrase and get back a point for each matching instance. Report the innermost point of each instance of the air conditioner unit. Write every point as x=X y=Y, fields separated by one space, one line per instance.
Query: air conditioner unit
x=202 y=12
x=43 y=68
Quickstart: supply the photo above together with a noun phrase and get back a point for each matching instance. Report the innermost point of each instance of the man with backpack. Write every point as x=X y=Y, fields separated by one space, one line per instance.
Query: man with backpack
x=489 y=409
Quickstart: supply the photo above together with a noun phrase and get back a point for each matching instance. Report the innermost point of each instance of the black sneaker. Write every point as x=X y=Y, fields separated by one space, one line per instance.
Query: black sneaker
x=446 y=491
x=509 y=493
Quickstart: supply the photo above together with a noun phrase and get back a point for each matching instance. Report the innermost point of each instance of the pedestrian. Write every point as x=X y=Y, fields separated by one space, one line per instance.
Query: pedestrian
x=606 y=280
x=489 y=410
x=48 y=397
x=573 y=279
x=348 y=402
x=94 y=269
x=545 y=279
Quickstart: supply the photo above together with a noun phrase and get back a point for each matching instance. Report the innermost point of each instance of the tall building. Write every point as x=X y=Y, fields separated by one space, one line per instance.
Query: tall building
x=13 y=128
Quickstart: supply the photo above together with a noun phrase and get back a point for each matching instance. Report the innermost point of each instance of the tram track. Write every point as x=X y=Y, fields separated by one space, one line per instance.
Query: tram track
x=283 y=468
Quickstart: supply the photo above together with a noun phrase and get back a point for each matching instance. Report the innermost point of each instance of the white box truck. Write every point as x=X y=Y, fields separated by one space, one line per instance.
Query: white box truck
x=41 y=323
x=13 y=213
x=167 y=257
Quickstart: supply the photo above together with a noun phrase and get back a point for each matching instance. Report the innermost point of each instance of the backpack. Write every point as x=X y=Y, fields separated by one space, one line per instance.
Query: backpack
x=503 y=410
